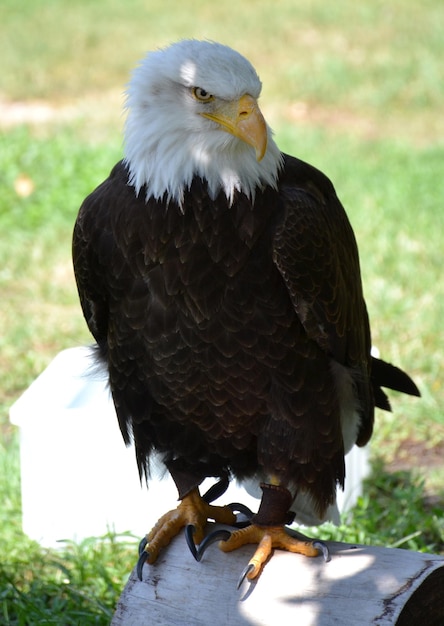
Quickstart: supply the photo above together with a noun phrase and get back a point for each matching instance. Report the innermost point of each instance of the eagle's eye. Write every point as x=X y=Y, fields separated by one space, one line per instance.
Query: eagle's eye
x=202 y=95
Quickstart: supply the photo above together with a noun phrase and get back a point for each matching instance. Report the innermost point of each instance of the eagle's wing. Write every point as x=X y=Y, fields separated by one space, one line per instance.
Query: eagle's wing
x=316 y=253
x=86 y=253
x=106 y=255
x=102 y=267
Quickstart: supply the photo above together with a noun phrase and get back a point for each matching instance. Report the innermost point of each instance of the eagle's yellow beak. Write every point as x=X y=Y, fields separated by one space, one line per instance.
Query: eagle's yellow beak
x=243 y=119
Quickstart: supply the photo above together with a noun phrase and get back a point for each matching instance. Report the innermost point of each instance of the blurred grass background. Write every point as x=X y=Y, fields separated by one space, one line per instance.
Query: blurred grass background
x=354 y=88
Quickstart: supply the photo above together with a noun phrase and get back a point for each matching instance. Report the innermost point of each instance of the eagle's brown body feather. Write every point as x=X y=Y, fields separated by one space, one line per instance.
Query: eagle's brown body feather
x=220 y=326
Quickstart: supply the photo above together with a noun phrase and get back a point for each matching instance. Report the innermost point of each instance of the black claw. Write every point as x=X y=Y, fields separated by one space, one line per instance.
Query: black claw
x=216 y=535
x=189 y=534
x=240 y=508
x=140 y=563
x=216 y=490
x=320 y=545
x=245 y=572
x=142 y=545
x=199 y=551
x=245 y=514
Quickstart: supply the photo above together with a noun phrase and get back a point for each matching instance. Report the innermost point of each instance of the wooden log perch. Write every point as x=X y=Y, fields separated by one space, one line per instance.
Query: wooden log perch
x=359 y=585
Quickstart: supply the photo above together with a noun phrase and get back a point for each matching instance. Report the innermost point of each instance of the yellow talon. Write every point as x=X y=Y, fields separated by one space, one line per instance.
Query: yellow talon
x=267 y=538
x=191 y=510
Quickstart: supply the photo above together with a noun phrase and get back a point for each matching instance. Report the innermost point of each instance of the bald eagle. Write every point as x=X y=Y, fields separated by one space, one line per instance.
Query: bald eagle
x=220 y=279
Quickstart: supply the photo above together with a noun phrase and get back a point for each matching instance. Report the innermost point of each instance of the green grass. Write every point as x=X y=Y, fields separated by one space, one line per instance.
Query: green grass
x=371 y=63
x=355 y=89
x=405 y=519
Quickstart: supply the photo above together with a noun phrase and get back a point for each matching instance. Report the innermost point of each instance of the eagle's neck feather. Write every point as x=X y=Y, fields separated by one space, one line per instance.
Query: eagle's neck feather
x=166 y=162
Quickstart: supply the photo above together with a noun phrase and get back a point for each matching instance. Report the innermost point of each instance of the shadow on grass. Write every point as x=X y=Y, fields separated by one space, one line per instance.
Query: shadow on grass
x=394 y=511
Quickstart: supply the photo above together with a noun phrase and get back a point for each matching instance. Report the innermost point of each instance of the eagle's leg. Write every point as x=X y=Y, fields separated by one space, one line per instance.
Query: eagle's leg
x=193 y=511
x=268 y=530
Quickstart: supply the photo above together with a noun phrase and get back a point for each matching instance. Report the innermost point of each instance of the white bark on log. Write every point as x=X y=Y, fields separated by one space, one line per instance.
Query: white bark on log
x=360 y=585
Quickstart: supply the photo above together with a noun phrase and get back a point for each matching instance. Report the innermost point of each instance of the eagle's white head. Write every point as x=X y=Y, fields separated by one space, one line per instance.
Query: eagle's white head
x=192 y=111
